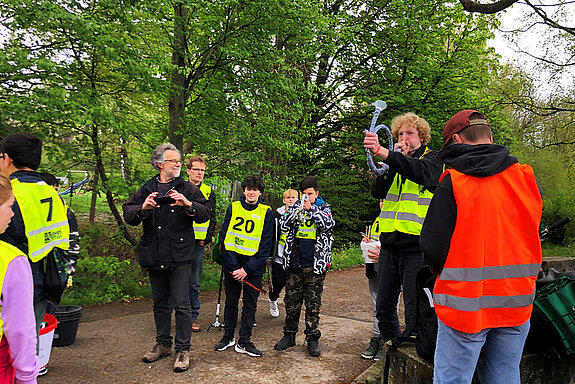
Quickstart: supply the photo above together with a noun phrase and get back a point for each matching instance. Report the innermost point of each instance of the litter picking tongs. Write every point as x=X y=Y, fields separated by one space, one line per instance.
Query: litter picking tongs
x=379 y=105
x=217 y=323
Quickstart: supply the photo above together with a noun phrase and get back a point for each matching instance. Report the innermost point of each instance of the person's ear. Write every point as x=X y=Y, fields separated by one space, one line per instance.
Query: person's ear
x=457 y=138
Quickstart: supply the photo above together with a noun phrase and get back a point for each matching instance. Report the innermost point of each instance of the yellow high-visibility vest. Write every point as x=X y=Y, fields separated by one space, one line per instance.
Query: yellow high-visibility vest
x=376 y=228
x=201 y=229
x=283 y=238
x=245 y=229
x=44 y=215
x=8 y=253
x=307 y=229
x=405 y=207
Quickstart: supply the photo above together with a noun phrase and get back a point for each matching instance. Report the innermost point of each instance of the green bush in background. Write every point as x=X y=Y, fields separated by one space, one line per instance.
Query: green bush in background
x=101 y=280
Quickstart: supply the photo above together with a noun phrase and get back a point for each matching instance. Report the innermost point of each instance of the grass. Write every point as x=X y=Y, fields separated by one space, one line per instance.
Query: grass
x=346 y=257
x=556 y=250
x=80 y=203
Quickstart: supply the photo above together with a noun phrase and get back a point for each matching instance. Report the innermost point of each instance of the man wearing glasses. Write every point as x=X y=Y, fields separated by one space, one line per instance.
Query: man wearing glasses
x=167 y=207
x=196 y=170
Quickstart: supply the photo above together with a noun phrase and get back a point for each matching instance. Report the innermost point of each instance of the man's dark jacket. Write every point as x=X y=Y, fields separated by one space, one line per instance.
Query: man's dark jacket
x=168 y=238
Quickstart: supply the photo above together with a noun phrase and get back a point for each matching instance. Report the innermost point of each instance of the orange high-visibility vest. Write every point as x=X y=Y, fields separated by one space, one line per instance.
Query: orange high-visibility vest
x=488 y=280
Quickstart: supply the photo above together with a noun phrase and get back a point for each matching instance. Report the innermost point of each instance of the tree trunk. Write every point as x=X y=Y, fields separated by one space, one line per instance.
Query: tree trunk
x=109 y=197
x=94 y=198
x=178 y=98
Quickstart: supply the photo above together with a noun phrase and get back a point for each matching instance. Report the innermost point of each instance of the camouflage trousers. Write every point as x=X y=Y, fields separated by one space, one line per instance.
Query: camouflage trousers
x=302 y=285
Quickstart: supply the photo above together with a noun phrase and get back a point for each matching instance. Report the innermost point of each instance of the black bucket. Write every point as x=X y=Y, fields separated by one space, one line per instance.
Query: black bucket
x=68 y=319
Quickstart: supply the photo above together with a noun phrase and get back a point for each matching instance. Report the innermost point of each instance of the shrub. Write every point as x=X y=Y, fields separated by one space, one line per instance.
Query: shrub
x=347 y=256
x=554 y=209
x=100 y=280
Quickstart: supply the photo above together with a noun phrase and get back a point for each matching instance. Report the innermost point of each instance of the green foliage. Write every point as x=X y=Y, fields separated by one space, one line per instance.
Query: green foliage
x=103 y=240
x=100 y=280
x=554 y=209
x=210 y=278
x=346 y=256
x=553 y=169
x=106 y=269
x=558 y=250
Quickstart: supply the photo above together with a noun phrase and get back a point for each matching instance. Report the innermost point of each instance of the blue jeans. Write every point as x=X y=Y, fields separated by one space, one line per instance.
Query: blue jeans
x=457 y=353
x=197 y=264
x=173 y=285
x=397 y=270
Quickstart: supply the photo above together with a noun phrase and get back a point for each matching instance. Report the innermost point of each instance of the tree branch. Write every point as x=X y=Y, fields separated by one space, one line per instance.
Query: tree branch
x=498 y=6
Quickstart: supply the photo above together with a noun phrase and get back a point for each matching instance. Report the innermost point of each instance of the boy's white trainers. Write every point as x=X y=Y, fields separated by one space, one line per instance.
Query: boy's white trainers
x=249 y=349
x=274 y=310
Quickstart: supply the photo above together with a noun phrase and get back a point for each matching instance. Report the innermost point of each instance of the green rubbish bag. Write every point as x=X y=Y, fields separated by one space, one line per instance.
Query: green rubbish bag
x=216 y=254
x=554 y=310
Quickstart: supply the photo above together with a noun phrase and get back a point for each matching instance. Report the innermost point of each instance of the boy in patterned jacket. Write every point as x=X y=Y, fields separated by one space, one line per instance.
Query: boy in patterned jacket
x=306 y=258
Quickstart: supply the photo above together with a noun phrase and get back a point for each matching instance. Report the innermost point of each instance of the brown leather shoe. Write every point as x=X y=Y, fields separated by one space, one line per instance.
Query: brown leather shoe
x=196 y=326
x=182 y=362
x=157 y=352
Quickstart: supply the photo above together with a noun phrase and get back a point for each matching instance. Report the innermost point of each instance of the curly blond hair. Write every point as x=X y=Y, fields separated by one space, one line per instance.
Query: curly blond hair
x=5 y=189
x=416 y=122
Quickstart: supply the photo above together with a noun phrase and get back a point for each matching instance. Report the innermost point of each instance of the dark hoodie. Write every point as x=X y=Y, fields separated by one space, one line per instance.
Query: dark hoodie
x=480 y=160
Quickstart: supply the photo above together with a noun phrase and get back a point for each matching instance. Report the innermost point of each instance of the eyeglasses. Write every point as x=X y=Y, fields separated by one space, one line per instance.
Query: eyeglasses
x=197 y=169
x=173 y=161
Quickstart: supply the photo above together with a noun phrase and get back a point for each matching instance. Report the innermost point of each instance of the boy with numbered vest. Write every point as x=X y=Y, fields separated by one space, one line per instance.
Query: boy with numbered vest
x=306 y=257
x=246 y=241
x=40 y=223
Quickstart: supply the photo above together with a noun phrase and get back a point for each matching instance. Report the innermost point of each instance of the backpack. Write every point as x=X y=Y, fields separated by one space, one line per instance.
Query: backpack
x=423 y=332
x=56 y=273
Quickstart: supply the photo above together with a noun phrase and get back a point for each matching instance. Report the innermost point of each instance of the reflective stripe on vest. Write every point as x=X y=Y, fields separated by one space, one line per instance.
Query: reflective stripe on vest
x=488 y=280
x=405 y=206
x=44 y=217
x=307 y=229
x=245 y=229
x=201 y=229
x=8 y=253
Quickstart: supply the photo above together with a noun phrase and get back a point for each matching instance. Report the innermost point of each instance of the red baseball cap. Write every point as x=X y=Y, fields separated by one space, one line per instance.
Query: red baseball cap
x=459 y=122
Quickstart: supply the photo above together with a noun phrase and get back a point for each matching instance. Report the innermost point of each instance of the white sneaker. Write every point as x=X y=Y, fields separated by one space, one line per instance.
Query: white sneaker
x=274 y=310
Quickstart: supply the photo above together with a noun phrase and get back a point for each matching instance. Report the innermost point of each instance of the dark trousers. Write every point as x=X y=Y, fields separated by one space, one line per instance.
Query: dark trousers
x=197 y=263
x=233 y=289
x=40 y=302
x=396 y=270
x=302 y=285
x=172 y=285
x=278 y=280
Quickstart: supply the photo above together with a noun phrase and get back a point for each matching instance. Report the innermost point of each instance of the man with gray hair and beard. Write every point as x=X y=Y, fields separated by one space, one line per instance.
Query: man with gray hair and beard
x=167 y=207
